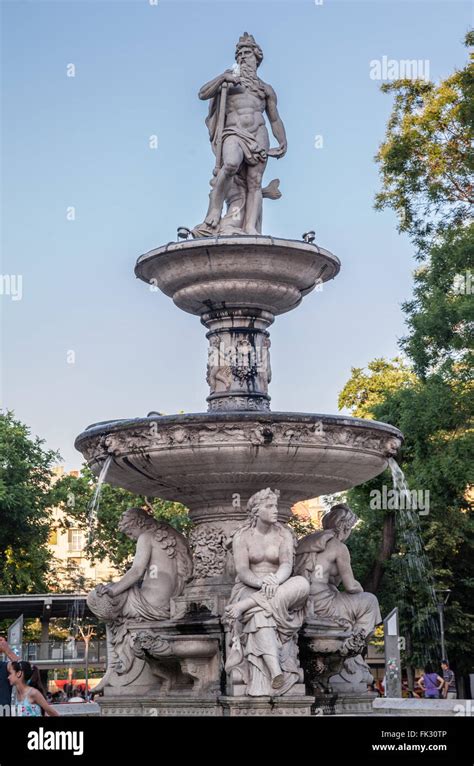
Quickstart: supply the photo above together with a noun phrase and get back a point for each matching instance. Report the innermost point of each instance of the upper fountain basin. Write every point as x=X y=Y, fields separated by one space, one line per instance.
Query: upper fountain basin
x=205 y=460
x=250 y=272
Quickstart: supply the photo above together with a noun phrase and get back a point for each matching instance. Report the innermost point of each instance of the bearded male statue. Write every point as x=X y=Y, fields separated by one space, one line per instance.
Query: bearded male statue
x=241 y=144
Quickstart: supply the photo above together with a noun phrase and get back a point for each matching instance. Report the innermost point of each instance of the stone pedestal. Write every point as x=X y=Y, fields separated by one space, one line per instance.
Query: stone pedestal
x=266 y=706
x=295 y=706
x=334 y=669
x=170 y=659
x=394 y=706
x=354 y=704
x=159 y=707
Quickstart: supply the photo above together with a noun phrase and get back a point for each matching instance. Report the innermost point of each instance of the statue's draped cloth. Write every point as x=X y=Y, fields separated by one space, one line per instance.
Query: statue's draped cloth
x=268 y=628
x=136 y=605
x=361 y=610
x=128 y=605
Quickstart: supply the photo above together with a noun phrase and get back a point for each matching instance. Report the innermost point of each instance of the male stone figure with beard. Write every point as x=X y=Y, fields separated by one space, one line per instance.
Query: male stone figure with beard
x=240 y=141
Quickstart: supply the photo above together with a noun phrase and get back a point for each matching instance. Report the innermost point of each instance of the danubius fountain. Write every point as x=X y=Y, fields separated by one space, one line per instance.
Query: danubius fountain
x=236 y=620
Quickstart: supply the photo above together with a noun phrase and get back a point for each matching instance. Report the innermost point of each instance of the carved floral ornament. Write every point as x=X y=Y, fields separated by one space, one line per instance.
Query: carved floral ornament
x=157 y=436
x=231 y=403
x=208 y=547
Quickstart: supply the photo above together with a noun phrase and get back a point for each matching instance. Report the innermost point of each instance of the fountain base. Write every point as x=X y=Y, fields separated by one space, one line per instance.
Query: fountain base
x=178 y=669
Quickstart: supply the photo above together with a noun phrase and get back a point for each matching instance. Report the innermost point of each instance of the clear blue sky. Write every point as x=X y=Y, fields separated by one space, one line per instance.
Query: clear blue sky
x=83 y=142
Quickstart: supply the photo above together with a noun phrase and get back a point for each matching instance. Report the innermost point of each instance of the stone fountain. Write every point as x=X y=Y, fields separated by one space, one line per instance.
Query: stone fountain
x=211 y=625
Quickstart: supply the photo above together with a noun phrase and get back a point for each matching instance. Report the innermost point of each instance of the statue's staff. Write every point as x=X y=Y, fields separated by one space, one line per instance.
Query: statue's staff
x=220 y=126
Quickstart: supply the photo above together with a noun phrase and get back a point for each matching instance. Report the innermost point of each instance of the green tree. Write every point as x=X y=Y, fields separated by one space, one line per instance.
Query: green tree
x=436 y=457
x=25 y=498
x=426 y=166
x=440 y=316
x=364 y=389
x=427 y=160
x=67 y=577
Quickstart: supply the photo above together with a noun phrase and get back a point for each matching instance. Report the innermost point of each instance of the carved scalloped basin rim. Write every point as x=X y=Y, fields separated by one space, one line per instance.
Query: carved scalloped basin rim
x=260 y=272
x=203 y=458
x=238 y=244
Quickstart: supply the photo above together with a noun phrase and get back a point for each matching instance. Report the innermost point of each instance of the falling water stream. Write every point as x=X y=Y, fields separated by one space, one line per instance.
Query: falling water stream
x=77 y=608
x=415 y=569
x=95 y=502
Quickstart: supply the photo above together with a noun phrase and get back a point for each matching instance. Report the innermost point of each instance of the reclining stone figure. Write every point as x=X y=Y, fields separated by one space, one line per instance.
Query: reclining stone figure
x=161 y=567
x=324 y=560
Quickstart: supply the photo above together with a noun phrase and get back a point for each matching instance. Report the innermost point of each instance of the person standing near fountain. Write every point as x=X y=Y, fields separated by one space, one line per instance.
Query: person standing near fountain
x=266 y=607
x=30 y=695
x=5 y=687
x=324 y=559
x=431 y=683
x=449 y=687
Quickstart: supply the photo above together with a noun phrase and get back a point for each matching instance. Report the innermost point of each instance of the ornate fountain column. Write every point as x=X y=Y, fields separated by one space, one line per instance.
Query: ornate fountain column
x=238 y=366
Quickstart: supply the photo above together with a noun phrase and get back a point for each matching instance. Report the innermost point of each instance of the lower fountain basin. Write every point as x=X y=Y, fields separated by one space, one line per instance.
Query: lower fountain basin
x=213 y=462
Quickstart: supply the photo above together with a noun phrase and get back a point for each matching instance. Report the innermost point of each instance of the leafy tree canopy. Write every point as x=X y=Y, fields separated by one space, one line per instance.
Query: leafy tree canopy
x=25 y=499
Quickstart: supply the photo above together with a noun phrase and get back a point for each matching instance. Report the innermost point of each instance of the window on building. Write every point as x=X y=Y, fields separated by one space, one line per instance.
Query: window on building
x=53 y=537
x=75 y=539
